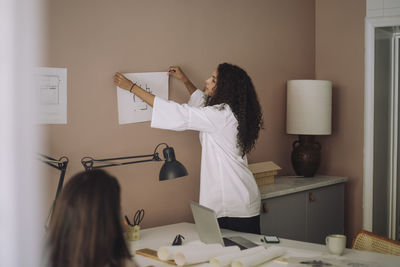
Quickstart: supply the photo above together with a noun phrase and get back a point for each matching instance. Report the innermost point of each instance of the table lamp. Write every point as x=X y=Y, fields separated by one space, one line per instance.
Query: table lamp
x=171 y=168
x=308 y=113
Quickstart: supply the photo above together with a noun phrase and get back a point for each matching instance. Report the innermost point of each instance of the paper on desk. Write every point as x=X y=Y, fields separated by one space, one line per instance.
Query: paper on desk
x=225 y=260
x=168 y=252
x=328 y=261
x=202 y=254
x=258 y=258
x=297 y=252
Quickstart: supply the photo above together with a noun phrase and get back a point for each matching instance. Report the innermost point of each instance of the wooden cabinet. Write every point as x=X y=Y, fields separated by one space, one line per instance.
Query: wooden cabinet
x=308 y=215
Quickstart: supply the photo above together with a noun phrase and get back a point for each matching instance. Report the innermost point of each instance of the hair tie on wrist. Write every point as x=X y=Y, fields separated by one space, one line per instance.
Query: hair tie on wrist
x=132 y=87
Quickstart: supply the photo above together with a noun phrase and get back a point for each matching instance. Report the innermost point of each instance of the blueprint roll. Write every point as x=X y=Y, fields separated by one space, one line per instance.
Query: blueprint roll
x=259 y=257
x=226 y=260
x=202 y=254
x=168 y=252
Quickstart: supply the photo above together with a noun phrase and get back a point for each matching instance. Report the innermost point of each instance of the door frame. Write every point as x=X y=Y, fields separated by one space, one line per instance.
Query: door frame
x=370 y=25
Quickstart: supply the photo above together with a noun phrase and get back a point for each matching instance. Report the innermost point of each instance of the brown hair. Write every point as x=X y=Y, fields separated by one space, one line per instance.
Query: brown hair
x=235 y=88
x=86 y=228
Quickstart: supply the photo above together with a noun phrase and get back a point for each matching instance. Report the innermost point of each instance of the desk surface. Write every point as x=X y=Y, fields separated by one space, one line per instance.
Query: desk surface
x=154 y=238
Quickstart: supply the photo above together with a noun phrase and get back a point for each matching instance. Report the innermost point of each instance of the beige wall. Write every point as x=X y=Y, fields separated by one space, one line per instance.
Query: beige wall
x=339 y=55
x=273 y=40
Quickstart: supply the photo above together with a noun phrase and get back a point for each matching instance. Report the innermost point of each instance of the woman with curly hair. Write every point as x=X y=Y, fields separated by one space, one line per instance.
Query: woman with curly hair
x=228 y=116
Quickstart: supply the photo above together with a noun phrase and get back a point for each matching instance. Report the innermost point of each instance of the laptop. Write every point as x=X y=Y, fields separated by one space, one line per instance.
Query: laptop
x=208 y=229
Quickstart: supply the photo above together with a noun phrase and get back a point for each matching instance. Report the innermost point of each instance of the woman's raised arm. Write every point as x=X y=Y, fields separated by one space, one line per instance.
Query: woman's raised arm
x=122 y=82
x=176 y=72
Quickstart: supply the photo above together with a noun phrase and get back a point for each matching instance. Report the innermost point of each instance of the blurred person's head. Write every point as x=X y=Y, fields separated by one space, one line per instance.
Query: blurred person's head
x=86 y=228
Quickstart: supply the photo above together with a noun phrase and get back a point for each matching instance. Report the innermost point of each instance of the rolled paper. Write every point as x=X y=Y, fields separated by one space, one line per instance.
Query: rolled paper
x=202 y=254
x=168 y=252
x=225 y=260
x=259 y=257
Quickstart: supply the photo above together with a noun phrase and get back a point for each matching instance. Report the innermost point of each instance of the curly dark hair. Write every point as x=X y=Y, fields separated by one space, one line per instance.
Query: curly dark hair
x=235 y=88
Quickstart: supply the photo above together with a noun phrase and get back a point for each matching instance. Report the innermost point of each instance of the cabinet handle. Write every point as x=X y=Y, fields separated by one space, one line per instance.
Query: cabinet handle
x=265 y=208
x=311 y=197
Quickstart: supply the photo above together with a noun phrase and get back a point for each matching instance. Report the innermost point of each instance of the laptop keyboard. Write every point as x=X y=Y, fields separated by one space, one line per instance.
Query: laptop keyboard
x=230 y=243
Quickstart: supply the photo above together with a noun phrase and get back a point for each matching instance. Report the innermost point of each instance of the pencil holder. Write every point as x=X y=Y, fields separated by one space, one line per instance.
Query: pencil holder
x=133 y=233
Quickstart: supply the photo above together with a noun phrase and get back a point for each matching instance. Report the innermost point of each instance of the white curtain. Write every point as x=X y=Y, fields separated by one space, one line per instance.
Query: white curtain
x=21 y=228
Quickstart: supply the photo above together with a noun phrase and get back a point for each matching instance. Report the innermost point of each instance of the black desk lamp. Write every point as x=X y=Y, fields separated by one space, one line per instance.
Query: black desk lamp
x=170 y=170
x=60 y=164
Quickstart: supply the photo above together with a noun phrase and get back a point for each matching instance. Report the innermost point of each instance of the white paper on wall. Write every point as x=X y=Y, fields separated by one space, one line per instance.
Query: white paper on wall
x=52 y=95
x=132 y=109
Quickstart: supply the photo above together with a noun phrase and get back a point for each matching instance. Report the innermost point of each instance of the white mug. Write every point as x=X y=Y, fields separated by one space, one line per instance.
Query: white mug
x=336 y=244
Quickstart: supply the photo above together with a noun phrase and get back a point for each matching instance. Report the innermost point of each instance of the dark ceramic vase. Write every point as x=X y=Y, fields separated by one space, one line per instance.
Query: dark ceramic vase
x=306 y=156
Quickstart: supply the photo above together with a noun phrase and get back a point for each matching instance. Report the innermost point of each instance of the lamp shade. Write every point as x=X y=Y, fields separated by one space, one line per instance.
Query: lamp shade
x=172 y=168
x=309 y=107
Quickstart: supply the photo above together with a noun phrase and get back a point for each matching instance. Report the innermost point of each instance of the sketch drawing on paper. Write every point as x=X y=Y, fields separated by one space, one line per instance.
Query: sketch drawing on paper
x=139 y=104
x=49 y=89
x=51 y=86
x=132 y=109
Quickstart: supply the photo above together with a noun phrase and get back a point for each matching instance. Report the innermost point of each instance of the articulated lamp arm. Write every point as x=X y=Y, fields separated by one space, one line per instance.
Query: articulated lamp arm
x=170 y=170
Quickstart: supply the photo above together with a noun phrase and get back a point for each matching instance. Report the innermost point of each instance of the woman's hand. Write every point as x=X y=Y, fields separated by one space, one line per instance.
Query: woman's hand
x=176 y=72
x=122 y=82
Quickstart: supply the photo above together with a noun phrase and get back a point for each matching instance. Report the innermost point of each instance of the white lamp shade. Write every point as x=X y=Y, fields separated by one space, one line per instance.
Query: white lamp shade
x=309 y=107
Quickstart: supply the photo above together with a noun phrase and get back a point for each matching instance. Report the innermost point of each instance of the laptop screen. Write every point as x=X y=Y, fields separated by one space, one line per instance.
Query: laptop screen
x=208 y=228
x=206 y=224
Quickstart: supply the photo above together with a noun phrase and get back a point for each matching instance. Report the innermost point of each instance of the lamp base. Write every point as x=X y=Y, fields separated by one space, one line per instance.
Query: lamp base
x=306 y=156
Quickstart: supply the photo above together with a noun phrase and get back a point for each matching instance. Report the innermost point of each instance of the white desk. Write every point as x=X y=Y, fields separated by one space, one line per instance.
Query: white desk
x=154 y=238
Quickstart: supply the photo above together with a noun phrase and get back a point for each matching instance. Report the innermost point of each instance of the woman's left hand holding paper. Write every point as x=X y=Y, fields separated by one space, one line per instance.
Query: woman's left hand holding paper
x=122 y=82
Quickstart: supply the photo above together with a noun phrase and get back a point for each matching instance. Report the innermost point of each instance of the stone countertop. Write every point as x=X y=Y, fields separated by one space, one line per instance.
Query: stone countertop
x=285 y=185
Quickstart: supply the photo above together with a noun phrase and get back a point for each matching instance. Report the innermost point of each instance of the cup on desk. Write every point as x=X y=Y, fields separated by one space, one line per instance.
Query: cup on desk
x=336 y=244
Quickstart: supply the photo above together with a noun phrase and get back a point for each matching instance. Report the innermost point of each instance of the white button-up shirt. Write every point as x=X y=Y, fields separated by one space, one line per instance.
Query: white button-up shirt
x=226 y=184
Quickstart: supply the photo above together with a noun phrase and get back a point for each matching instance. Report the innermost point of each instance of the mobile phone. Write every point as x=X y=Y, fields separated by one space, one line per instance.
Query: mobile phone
x=271 y=239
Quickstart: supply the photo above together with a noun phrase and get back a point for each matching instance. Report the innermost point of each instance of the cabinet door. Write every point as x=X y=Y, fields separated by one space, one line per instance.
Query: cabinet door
x=284 y=216
x=325 y=212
